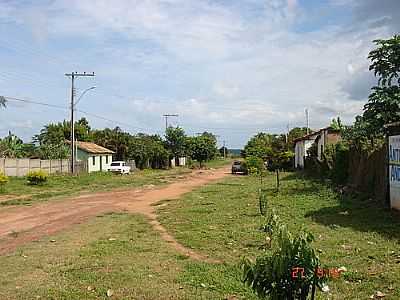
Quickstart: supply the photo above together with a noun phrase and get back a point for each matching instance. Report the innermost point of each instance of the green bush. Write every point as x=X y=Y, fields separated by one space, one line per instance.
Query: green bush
x=3 y=181
x=36 y=177
x=272 y=274
x=255 y=165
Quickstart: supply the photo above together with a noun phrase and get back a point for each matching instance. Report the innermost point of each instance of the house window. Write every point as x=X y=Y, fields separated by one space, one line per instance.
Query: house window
x=94 y=160
x=106 y=159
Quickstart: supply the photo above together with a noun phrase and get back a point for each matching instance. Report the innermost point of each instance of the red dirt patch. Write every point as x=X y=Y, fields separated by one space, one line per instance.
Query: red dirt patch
x=21 y=225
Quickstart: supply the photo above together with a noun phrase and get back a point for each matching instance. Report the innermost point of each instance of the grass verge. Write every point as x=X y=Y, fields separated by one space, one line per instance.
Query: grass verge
x=222 y=220
x=116 y=252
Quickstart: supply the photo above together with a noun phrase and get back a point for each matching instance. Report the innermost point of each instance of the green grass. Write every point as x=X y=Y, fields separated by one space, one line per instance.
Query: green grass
x=18 y=192
x=223 y=220
x=119 y=252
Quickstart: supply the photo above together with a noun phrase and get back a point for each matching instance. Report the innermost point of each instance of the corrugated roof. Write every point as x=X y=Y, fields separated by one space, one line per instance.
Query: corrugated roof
x=92 y=148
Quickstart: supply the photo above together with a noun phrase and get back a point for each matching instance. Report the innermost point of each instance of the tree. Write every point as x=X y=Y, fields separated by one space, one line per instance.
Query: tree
x=295 y=133
x=386 y=61
x=260 y=146
x=12 y=146
x=114 y=139
x=383 y=105
x=53 y=151
x=202 y=148
x=336 y=124
x=56 y=133
x=175 y=141
x=223 y=151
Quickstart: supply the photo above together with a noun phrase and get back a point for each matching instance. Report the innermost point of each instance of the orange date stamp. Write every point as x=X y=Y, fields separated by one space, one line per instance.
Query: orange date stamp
x=298 y=272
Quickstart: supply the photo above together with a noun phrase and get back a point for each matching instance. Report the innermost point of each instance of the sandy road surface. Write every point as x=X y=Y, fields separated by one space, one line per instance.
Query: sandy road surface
x=23 y=224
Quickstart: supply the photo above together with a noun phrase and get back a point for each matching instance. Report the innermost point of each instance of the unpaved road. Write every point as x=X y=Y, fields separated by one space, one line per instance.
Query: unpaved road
x=23 y=224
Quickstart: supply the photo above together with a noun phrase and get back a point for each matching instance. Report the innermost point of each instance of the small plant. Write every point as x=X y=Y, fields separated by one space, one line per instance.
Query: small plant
x=262 y=198
x=288 y=271
x=36 y=177
x=3 y=182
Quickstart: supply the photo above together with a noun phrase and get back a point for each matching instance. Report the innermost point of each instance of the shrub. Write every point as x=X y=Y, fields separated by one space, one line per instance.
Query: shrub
x=3 y=181
x=271 y=275
x=255 y=165
x=36 y=177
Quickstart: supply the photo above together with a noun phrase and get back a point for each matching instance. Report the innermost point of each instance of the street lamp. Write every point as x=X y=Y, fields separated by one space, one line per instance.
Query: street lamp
x=83 y=93
x=73 y=126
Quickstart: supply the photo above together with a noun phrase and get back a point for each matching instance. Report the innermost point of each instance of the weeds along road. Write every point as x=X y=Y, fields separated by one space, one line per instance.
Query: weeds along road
x=23 y=224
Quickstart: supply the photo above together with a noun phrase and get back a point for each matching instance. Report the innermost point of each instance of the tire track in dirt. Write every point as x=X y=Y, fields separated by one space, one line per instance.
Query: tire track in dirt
x=23 y=224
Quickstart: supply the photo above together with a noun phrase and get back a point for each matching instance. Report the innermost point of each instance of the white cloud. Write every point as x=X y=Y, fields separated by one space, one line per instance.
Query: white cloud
x=235 y=65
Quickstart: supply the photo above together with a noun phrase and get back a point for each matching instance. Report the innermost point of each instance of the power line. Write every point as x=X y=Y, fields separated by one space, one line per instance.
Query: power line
x=67 y=108
x=36 y=102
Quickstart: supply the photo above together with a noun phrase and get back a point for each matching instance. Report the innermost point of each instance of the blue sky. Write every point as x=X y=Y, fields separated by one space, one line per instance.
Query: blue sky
x=230 y=67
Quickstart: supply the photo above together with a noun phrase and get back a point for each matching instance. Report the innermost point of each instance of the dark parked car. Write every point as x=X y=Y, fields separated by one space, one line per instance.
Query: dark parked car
x=239 y=167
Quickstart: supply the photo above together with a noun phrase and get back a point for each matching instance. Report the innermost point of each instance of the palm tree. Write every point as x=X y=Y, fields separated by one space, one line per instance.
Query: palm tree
x=3 y=102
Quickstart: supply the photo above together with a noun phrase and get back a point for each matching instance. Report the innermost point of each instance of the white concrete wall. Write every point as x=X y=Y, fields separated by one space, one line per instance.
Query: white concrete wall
x=97 y=166
x=321 y=144
x=182 y=161
x=299 y=155
x=22 y=166
x=300 y=151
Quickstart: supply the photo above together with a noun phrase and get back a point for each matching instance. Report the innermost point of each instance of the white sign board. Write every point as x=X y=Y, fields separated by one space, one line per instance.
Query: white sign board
x=394 y=171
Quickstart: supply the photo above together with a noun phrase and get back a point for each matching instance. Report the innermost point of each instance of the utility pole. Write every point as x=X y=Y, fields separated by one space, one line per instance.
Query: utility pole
x=224 y=149
x=166 y=116
x=307 y=121
x=74 y=75
x=287 y=135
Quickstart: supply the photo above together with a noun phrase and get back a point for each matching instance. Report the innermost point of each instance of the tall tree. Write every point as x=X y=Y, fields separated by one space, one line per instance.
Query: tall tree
x=175 y=141
x=202 y=148
x=57 y=133
x=384 y=102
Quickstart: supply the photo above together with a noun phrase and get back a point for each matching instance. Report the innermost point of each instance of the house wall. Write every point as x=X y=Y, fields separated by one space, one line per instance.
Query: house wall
x=327 y=138
x=299 y=155
x=100 y=160
x=301 y=149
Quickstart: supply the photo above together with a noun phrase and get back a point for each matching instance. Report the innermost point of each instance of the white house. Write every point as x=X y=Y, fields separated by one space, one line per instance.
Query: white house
x=322 y=138
x=97 y=157
x=301 y=147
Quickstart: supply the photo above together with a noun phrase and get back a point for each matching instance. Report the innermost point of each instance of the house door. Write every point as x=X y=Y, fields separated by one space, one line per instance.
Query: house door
x=101 y=163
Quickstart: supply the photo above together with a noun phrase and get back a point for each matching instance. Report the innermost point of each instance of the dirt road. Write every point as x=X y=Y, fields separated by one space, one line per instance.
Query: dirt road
x=23 y=224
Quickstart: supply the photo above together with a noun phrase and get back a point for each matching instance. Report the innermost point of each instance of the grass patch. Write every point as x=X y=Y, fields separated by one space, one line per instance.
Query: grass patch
x=358 y=235
x=59 y=186
x=119 y=252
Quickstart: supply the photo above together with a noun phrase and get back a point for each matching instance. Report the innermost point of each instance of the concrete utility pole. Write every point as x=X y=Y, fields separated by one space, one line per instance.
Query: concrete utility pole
x=307 y=121
x=287 y=135
x=166 y=116
x=73 y=75
x=224 y=149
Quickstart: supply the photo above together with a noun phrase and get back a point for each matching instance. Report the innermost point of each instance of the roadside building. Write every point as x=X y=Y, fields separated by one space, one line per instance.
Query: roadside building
x=96 y=157
x=324 y=137
x=327 y=136
x=301 y=147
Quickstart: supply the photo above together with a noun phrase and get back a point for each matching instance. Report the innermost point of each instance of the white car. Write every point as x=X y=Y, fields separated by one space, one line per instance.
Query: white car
x=119 y=167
